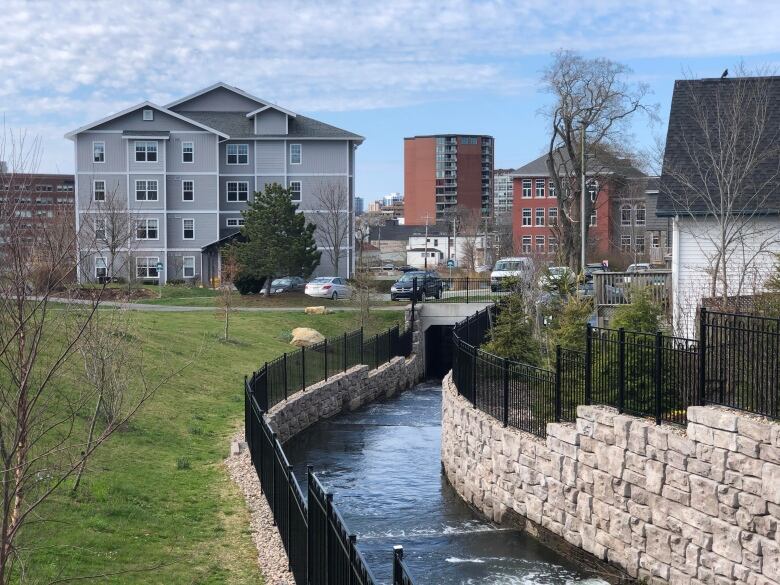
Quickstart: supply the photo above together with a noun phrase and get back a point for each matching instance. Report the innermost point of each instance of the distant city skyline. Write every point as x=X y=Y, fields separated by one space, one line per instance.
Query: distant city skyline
x=384 y=70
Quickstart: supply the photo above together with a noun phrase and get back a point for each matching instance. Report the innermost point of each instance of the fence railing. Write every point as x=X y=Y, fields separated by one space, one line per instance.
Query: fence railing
x=614 y=288
x=320 y=549
x=735 y=363
x=294 y=371
x=452 y=290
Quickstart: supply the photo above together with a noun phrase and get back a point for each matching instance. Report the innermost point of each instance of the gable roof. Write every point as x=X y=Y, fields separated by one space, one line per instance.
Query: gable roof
x=238 y=126
x=700 y=103
x=218 y=85
x=146 y=104
x=606 y=163
x=271 y=107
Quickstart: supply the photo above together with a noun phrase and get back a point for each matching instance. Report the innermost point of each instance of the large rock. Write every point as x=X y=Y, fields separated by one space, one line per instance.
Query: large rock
x=305 y=337
x=320 y=310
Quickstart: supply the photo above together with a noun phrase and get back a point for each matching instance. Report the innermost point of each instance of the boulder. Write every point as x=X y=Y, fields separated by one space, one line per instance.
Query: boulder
x=321 y=310
x=306 y=337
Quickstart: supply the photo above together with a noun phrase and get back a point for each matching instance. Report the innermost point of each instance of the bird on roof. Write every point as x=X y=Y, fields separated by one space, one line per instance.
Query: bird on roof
x=725 y=74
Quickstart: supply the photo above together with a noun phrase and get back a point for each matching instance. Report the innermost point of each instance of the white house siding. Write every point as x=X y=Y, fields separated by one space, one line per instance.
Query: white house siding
x=692 y=252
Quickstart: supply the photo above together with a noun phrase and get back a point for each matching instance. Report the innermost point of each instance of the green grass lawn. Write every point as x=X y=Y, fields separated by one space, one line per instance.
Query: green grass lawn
x=137 y=515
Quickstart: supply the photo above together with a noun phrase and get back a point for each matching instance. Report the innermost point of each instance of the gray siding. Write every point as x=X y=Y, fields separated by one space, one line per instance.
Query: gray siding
x=206 y=229
x=271 y=122
x=134 y=121
x=115 y=149
x=270 y=157
x=176 y=264
x=144 y=205
x=311 y=187
x=157 y=244
x=226 y=205
x=248 y=168
x=326 y=156
x=205 y=159
x=206 y=192
x=116 y=185
x=218 y=100
x=263 y=181
x=146 y=167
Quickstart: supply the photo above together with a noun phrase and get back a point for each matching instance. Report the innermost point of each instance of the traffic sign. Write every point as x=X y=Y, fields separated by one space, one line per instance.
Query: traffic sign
x=159 y=266
x=450 y=263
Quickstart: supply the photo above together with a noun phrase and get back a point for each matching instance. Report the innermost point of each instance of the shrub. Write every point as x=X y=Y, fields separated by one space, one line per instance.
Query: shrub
x=568 y=325
x=641 y=314
x=247 y=284
x=182 y=463
x=512 y=336
x=175 y=282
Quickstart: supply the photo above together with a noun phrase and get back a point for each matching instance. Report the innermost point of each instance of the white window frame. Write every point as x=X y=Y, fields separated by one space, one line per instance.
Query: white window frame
x=300 y=153
x=104 y=267
x=238 y=222
x=237 y=154
x=625 y=243
x=539 y=240
x=640 y=207
x=95 y=190
x=625 y=208
x=551 y=189
x=184 y=267
x=526 y=244
x=100 y=225
x=237 y=191
x=655 y=240
x=526 y=218
x=594 y=218
x=148 y=115
x=192 y=190
x=184 y=228
x=552 y=244
x=300 y=191
x=149 y=266
x=145 y=144
x=146 y=224
x=552 y=216
x=146 y=189
x=528 y=188
x=539 y=217
x=639 y=243
x=102 y=144
x=537 y=184
x=192 y=152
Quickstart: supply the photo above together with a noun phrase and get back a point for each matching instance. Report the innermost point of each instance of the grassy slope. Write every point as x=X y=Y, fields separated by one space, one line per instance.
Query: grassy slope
x=205 y=297
x=138 y=514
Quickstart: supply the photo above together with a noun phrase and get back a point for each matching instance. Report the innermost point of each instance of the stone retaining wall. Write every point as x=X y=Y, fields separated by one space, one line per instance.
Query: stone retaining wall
x=665 y=504
x=345 y=391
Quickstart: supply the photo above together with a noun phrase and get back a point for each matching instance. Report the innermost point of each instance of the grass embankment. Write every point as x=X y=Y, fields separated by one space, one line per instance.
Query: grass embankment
x=156 y=505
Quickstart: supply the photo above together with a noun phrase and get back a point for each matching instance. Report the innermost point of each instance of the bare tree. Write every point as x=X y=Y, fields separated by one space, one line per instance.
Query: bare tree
x=334 y=221
x=225 y=300
x=363 y=225
x=721 y=167
x=591 y=96
x=109 y=234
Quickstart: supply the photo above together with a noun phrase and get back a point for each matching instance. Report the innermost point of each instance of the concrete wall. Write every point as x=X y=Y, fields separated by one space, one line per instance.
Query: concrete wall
x=446 y=313
x=664 y=504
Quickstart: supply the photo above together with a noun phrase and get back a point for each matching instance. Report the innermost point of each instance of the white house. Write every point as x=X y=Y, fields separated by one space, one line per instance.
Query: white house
x=440 y=248
x=725 y=209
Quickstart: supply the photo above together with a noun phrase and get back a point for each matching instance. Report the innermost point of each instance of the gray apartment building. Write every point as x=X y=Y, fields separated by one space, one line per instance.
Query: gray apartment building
x=182 y=174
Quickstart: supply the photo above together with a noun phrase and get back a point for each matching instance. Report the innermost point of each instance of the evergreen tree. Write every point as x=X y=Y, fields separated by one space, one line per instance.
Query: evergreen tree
x=279 y=240
x=642 y=314
x=512 y=335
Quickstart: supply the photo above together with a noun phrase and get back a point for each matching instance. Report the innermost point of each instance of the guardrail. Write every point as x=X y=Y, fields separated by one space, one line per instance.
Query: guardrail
x=735 y=363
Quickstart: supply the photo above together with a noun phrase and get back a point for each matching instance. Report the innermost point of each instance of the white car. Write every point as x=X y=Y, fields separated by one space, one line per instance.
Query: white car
x=513 y=268
x=328 y=287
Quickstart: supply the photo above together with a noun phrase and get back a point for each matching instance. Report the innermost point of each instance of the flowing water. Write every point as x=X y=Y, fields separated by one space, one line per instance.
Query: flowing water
x=382 y=463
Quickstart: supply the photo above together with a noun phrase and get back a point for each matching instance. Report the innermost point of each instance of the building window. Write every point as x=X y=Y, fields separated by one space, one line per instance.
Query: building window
x=101 y=268
x=552 y=216
x=540 y=188
x=295 y=154
x=625 y=214
x=526 y=245
x=145 y=152
x=187 y=152
x=526 y=216
x=99 y=152
x=146 y=267
x=188 y=266
x=625 y=242
x=526 y=188
x=237 y=154
x=235 y=221
x=551 y=189
x=146 y=229
x=639 y=243
x=540 y=244
x=640 y=214
x=540 y=216
x=99 y=190
x=146 y=190
x=100 y=229
x=188 y=190
x=188 y=229
x=594 y=219
x=295 y=190
x=655 y=241
x=148 y=115
x=552 y=243
x=593 y=190
x=237 y=190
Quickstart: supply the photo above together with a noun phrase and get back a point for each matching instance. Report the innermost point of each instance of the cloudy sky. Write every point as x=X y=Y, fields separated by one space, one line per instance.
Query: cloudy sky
x=382 y=69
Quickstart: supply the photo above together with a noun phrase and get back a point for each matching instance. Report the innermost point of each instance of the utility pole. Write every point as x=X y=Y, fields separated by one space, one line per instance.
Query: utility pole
x=426 y=242
x=582 y=197
x=454 y=240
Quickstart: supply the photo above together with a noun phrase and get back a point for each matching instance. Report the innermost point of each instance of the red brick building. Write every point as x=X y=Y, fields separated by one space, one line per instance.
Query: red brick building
x=446 y=172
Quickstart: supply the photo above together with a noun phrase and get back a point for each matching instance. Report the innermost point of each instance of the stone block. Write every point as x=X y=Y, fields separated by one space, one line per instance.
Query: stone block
x=744 y=465
x=704 y=495
x=755 y=505
x=610 y=459
x=637 y=438
x=700 y=433
x=678 y=479
x=566 y=432
x=654 y=474
x=724 y=440
x=680 y=444
x=770 y=480
x=622 y=424
x=658 y=543
x=716 y=418
x=725 y=540
x=770 y=551
x=769 y=453
x=676 y=495
x=604 y=433
x=758 y=430
x=748 y=446
x=658 y=437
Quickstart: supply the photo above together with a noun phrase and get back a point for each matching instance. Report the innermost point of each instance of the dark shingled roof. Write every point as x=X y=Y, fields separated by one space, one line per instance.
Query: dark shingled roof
x=395 y=232
x=685 y=141
x=238 y=126
x=604 y=163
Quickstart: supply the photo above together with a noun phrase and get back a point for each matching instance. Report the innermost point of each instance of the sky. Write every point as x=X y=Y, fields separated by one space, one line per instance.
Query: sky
x=384 y=70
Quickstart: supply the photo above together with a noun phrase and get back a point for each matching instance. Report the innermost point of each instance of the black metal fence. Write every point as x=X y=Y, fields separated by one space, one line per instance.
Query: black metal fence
x=454 y=290
x=735 y=362
x=294 y=371
x=320 y=548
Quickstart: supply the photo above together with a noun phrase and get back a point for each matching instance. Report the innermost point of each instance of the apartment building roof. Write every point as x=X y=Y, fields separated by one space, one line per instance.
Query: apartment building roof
x=237 y=126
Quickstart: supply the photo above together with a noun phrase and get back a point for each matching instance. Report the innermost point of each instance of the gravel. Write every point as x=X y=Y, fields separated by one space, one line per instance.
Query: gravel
x=270 y=551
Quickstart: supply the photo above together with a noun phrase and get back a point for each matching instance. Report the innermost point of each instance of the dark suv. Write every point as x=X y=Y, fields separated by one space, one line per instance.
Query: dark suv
x=428 y=285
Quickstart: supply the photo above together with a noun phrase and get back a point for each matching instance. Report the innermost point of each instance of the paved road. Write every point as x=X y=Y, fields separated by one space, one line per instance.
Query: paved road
x=179 y=309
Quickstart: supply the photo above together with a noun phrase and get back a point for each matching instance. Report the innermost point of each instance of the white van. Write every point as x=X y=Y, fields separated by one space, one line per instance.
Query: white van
x=517 y=268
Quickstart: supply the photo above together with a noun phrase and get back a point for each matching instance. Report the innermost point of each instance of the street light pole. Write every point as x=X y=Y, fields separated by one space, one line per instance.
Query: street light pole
x=582 y=196
x=426 y=242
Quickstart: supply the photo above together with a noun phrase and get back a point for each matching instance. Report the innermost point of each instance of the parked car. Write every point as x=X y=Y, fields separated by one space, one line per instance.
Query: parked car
x=638 y=267
x=328 y=287
x=287 y=284
x=428 y=285
x=591 y=268
x=483 y=268
x=508 y=268
x=406 y=268
x=557 y=278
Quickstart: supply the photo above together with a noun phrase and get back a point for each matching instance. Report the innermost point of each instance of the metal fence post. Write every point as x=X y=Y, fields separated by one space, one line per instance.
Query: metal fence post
x=289 y=515
x=505 y=364
x=659 y=341
x=701 y=395
x=309 y=531
x=414 y=291
x=352 y=546
x=467 y=289
x=588 y=363
x=398 y=556
x=473 y=376
x=558 y=389
x=376 y=350
x=285 y=374
x=326 y=548
x=303 y=368
x=362 y=349
x=273 y=478
x=344 y=352
x=325 y=355
x=621 y=369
